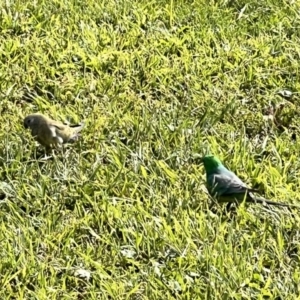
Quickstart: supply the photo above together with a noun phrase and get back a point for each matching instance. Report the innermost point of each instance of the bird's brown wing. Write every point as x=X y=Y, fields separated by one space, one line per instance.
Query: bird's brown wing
x=56 y=124
x=60 y=126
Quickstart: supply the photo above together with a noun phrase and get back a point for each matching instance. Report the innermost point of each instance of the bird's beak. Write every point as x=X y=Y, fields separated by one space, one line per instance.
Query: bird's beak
x=196 y=158
x=25 y=125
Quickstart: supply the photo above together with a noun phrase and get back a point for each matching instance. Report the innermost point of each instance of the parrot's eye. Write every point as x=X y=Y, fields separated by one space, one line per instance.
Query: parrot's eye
x=27 y=123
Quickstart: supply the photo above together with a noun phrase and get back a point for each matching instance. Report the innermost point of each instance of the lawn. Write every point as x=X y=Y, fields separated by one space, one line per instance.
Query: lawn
x=124 y=212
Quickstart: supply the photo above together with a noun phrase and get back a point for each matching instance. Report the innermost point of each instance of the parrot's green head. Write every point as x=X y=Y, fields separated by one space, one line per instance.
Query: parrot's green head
x=211 y=163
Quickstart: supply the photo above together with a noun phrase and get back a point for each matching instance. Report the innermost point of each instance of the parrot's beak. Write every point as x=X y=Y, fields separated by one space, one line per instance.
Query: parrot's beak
x=196 y=158
x=25 y=124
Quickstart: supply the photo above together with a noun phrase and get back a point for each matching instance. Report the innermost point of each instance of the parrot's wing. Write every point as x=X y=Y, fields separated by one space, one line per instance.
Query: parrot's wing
x=65 y=133
x=75 y=127
x=226 y=184
x=53 y=131
x=56 y=125
x=55 y=136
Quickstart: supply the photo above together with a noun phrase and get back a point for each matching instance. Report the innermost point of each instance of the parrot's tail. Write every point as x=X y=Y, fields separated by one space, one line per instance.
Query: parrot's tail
x=265 y=201
x=76 y=135
x=77 y=127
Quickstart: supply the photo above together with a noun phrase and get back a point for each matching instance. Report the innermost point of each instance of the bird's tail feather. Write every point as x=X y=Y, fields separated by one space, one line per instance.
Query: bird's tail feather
x=78 y=127
x=76 y=135
x=266 y=201
x=252 y=199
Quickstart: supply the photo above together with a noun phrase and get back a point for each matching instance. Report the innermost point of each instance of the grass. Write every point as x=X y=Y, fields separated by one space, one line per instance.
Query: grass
x=123 y=213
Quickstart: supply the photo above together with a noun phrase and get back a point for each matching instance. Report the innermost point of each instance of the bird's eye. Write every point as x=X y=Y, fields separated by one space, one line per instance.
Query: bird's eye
x=27 y=122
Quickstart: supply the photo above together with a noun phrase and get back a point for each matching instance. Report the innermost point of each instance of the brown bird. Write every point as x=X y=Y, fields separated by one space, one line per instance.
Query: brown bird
x=50 y=133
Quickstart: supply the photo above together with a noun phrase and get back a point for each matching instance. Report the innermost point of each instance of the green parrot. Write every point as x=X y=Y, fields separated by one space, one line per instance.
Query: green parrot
x=226 y=187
